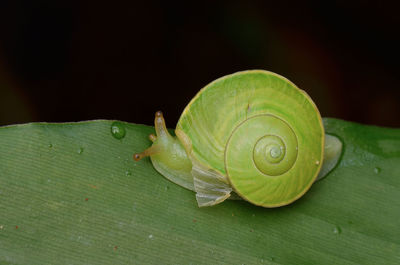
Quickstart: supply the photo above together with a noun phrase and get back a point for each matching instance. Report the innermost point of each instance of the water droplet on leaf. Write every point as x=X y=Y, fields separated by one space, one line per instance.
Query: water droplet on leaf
x=377 y=170
x=118 y=130
x=337 y=230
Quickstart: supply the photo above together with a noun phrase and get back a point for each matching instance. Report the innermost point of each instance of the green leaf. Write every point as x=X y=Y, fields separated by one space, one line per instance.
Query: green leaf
x=71 y=194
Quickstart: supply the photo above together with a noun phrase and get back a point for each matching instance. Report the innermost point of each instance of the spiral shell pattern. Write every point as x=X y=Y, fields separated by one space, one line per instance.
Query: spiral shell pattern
x=260 y=131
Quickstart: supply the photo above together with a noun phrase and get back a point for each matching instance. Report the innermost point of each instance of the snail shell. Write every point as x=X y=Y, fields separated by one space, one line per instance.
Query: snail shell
x=253 y=133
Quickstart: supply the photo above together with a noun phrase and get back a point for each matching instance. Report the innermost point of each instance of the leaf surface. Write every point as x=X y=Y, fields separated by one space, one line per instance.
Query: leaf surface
x=71 y=194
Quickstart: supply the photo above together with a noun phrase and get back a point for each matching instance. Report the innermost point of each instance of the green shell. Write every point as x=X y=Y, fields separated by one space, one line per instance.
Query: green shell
x=258 y=132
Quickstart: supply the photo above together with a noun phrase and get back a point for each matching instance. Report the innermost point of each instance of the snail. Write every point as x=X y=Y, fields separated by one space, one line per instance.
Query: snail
x=251 y=135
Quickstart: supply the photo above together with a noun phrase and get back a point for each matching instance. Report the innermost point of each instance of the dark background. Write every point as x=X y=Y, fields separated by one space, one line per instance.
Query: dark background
x=81 y=60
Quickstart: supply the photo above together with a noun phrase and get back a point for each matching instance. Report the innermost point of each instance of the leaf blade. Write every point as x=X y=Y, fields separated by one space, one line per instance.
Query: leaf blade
x=133 y=215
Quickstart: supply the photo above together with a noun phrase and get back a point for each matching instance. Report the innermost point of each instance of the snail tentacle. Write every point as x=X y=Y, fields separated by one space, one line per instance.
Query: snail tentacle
x=168 y=155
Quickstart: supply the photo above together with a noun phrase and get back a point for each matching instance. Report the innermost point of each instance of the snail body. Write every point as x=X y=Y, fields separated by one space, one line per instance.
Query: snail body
x=252 y=133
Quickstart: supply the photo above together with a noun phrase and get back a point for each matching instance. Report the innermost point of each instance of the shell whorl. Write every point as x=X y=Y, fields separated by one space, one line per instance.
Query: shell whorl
x=268 y=146
x=275 y=152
